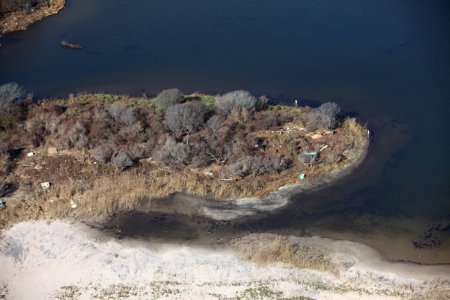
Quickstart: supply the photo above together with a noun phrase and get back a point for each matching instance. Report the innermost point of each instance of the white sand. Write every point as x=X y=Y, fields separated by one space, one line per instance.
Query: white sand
x=69 y=261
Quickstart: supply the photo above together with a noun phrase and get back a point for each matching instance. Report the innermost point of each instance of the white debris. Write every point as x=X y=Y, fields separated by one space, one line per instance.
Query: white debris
x=210 y=174
x=323 y=148
x=45 y=185
x=30 y=154
x=73 y=204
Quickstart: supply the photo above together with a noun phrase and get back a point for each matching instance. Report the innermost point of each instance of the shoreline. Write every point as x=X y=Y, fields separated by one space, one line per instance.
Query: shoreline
x=396 y=246
x=250 y=265
x=21 y=20
x=281 y=197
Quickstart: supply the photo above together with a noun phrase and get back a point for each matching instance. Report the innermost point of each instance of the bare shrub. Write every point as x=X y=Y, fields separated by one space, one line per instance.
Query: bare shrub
x=324 y=116
x=5 y=160
x=234 y=100
x=102 y=126
x=116 y=110
x=130 y=133
x=122 y=160
x=140 y=150
x=200 y=156
x=185 y=118
x=173 y=153
x=221 y=150
x=329 y=109
x=262 y=102
x=6 y=189
x=74 y=135
x=275 y=164
x=242 y=167
x=169 y=97
x=10 y=92
x=257 y=165
x=5 y=165
x=35 y=127
x=129 y=116
x=120 y=112
x=215 y=123
x=102 y=153
x=241 y=116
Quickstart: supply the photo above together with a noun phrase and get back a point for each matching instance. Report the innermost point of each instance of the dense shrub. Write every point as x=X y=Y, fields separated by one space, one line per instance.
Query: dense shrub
x=324 y=116
x=122 y=160
x=185 y=118
x=169 y=97
x=234 y=100
x=258 y=166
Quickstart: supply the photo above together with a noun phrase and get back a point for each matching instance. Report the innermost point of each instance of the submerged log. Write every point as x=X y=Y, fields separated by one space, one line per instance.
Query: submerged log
x=71 y=45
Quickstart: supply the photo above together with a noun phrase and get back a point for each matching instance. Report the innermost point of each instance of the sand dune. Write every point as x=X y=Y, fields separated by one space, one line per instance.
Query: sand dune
x=63 y=260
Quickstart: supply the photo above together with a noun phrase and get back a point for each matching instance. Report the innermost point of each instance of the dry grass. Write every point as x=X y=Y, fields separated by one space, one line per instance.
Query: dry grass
x=267 y=249
x=101 y=190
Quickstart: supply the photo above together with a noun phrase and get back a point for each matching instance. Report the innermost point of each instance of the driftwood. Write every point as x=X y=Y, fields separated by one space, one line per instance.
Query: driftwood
x=71 y=45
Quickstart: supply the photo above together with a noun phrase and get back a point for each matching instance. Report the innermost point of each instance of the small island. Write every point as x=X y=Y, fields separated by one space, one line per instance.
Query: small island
x=93 y=155
x=68 y=44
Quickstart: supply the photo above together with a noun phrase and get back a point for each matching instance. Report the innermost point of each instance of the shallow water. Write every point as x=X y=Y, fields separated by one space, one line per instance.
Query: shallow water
x=388 y=61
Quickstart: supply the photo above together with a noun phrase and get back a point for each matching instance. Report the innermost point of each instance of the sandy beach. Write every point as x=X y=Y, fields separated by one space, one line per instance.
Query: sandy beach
x=63 y=260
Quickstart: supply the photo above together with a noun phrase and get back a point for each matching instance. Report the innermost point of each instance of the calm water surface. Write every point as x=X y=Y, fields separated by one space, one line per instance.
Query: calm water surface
x=386 y=61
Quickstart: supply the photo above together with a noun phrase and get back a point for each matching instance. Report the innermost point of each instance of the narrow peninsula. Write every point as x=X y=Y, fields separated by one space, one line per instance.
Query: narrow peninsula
x=93 y=155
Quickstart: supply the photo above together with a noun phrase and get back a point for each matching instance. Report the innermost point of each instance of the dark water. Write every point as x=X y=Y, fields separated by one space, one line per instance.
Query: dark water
x=387 y=61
